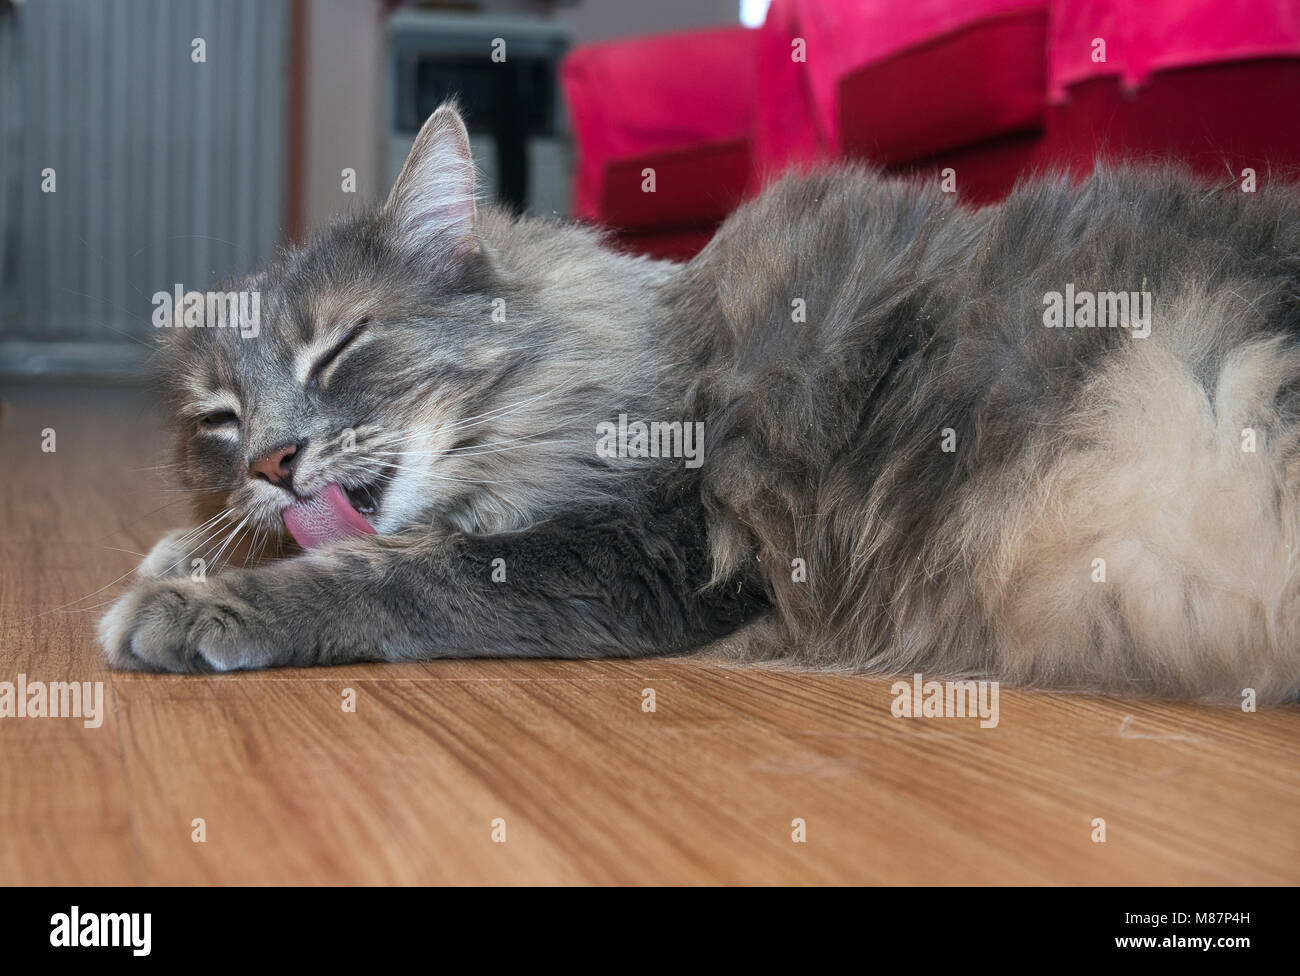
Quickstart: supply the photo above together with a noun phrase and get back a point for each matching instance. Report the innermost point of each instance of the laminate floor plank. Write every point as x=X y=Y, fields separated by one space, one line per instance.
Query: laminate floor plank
x=591 y=786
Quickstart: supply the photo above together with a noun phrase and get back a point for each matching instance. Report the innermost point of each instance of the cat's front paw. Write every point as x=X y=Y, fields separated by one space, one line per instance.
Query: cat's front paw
x=180 y=626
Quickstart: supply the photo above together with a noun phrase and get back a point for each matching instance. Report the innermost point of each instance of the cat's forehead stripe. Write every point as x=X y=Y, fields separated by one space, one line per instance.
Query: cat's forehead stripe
x=330 y=314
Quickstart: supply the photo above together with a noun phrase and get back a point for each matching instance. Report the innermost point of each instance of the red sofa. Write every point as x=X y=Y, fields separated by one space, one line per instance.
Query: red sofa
x=682 y=105
x=988 y=88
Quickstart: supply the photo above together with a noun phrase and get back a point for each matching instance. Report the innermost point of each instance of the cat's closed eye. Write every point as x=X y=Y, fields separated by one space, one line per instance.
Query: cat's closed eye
x=322 y=364
x=218 y=418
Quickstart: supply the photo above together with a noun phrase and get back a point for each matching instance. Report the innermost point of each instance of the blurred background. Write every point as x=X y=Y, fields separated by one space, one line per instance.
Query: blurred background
x=146 y=143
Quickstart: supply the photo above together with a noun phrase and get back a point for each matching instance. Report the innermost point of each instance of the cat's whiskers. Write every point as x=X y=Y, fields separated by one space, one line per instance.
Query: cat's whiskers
x=466 y=421
x=507 y=409
x=385 y=466
x=129 y=552
x=501 y=447
x=248 y=549
x=200 y=529
x=488 y=447
x=262 y=546
x=198 y=541
x=113 y=583
x=79 y=599
x=230 y=538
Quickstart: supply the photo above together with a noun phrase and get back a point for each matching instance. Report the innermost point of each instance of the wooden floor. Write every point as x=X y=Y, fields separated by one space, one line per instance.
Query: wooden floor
x=591 y=788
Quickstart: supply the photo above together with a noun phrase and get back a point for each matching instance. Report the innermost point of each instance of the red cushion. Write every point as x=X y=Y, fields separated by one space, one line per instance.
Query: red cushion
x=1218 y=119
x=982 y=80
x=642 y=97
x=1145 y=36
x=703 y=183
x=986 y=172
x=671 y=246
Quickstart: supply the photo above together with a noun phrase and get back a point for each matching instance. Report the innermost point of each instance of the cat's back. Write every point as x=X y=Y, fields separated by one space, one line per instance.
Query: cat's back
x=795 y=272
x=825 y=279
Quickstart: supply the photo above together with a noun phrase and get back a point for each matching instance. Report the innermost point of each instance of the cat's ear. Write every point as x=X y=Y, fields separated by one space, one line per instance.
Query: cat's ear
x=432 y=202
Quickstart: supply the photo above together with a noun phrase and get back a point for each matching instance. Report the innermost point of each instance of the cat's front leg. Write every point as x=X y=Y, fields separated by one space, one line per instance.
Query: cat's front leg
x=597 y=585
x=296 y=611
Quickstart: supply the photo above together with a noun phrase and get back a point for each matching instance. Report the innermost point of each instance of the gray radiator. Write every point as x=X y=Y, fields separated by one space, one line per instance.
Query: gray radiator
x=167 y=171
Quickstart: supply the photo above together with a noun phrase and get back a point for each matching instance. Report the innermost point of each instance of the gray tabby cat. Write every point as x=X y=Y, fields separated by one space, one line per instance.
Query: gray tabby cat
x=937 y=440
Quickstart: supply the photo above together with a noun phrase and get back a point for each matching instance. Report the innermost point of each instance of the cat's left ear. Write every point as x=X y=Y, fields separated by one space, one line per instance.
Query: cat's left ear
x=432 y=202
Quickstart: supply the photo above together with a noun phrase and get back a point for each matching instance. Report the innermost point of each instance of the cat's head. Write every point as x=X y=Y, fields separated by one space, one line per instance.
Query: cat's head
x=426 y=361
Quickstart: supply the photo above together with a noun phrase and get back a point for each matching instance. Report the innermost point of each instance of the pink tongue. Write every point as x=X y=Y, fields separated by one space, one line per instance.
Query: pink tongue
x=326 y=517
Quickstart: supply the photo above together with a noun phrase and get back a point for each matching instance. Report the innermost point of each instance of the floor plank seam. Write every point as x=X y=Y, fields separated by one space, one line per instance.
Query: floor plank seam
x=137 y=845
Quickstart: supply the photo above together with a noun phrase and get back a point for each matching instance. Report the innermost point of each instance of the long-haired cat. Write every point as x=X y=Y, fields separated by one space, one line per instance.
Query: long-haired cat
x=1052 y=442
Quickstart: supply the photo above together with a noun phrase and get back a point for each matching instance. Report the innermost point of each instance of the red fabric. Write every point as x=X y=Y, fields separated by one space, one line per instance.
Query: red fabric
x=629 y=99
x=787 y=130
x=1144 y=36
x=1218 y=119
x=982 y=80
x=984 y=173
x=842 y=37
x=920 y=85
x=670 y=246
x=692 y=186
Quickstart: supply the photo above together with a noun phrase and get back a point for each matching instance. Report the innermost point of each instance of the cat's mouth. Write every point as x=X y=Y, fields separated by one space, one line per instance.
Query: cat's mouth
x=336 y=512
x=365 y=498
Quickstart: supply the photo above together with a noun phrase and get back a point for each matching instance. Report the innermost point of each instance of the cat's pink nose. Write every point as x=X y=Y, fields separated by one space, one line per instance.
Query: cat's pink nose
x=276 y=466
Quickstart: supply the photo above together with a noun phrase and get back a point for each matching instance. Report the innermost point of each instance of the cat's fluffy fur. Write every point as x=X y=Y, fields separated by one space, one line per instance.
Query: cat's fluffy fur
x=828 y=516
x=1071 y=445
